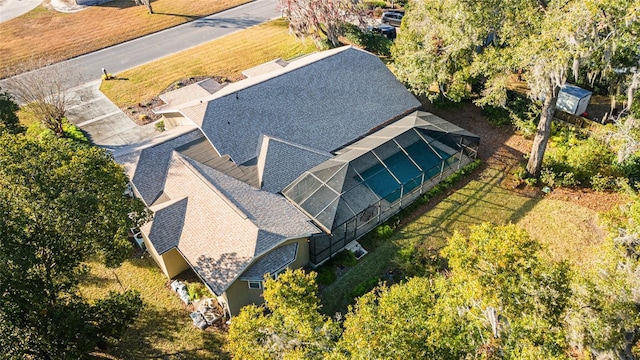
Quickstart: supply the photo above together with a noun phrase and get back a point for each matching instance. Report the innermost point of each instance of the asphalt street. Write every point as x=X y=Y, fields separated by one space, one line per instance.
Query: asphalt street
x=104 y=124
x=115 y=59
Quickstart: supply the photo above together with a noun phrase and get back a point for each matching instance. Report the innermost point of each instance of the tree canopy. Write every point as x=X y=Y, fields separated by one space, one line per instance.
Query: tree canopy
x=501 y=298
x=289 y=325
x=9 y=121
x=61 y=204
x=451 y=44
x=320 y=19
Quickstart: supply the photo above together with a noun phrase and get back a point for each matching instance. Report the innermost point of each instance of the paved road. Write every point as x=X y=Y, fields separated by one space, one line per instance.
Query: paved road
x=115 y=59
x=96 y=115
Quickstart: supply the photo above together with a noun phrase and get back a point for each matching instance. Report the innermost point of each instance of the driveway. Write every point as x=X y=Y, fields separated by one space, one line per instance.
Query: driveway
x=10 y=9
x=96 y=115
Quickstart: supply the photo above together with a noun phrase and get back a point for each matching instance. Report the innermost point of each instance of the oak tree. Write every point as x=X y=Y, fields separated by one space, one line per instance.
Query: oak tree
x=61 y=204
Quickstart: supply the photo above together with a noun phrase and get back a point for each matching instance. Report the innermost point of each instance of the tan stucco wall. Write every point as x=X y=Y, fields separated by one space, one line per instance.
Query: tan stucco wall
x=171 y=262
x=174 y=262
x=239 y=294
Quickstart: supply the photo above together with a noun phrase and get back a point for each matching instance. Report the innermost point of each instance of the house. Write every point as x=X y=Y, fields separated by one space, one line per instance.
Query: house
x=284 y=168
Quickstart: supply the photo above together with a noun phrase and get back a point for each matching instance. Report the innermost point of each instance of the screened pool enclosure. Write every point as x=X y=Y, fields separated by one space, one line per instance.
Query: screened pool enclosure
x=372 y=179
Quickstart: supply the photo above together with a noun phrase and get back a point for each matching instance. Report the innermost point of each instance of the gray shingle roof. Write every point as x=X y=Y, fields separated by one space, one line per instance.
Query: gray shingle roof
x=323 y=102
x=276 y=218
x=284 y=162
x=271 y=262
x=166 y=228
x=147 y=166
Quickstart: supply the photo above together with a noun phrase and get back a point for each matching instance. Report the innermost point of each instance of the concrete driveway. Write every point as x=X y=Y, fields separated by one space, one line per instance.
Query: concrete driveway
x=103 y=122
x=10 y=9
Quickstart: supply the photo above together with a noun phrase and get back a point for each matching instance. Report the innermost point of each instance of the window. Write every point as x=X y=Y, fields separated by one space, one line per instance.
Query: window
x=255 y=284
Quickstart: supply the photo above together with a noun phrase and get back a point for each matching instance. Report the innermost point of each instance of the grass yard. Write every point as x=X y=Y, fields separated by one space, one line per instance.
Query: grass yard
x=569 y=230
x=163 y=330
x=47 y=34
x=225 y=57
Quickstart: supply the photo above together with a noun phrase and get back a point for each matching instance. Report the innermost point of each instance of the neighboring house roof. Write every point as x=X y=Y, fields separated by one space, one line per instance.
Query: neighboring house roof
x=321 y=101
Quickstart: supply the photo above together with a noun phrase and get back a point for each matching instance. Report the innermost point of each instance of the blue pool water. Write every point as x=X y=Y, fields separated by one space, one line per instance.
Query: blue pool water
x=383 y=183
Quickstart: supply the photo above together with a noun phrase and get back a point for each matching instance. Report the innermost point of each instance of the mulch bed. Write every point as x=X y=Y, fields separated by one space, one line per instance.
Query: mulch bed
x=142 y=112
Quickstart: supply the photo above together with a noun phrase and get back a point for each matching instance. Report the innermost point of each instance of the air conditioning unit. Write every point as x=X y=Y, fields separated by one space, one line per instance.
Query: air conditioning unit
x=137 y=237
x=128 y=191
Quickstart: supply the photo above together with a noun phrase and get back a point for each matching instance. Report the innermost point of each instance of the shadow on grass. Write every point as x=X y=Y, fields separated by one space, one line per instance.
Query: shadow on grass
x=479 y=200
x=169 y=334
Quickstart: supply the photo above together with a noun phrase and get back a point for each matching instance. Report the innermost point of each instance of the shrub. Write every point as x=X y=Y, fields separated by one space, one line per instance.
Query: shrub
x=160 y=126
x=365 y=286
x=384 y=231
x=370 y=41
x=326 y=276
x=343 y=258
x=497 y=116
x=630 y=168
x=575 y=161
x=73 y=132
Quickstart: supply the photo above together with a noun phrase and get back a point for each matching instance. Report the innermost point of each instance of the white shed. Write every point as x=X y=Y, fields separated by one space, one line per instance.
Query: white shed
x=573 y=99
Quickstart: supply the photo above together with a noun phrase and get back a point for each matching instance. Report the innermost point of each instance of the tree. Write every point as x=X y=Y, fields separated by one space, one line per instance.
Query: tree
x=42 y=93
x=319 y=19
x=500 y=299
x=289 y=324
x=61 y=205
x=9 y=121
x=453 y=43
x=147 y=4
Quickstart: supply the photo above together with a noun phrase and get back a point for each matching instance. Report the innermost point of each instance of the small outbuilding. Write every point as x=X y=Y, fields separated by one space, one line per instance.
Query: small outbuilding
x=573 y=99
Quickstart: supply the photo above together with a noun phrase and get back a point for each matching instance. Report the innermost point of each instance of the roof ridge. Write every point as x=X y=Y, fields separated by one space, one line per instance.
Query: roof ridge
x=211 y=186
x=300 y=146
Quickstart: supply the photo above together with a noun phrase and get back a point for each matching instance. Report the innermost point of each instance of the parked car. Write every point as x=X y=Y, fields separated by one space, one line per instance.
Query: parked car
x=387 y=30
x=391 y=18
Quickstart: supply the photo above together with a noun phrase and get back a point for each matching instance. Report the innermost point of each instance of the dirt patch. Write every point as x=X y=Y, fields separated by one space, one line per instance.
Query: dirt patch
x=501 y=148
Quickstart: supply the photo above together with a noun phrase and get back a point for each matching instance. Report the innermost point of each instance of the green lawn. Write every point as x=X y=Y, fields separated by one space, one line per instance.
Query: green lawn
x=225 y=57
x=164 y=329
x=567 y=229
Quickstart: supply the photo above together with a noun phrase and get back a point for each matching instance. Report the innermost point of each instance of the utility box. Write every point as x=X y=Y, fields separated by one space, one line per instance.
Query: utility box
x=573 y=100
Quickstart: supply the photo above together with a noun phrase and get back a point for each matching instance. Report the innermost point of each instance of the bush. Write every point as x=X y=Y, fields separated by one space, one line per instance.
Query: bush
x=497 y=116
x=326 y=275
x=365 y=286
x=384 y=231
x=370 y=41
x=630 y=168
x=160 y=126
x=576 y=161
x=73 y=132
x=344 y=258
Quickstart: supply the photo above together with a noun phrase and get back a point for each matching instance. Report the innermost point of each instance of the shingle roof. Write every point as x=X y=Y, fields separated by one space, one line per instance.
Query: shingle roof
x=284 y=162
x=272 y=262
x=147 y=165
x=276 y=218
x=321 y=101
x=166 y=228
